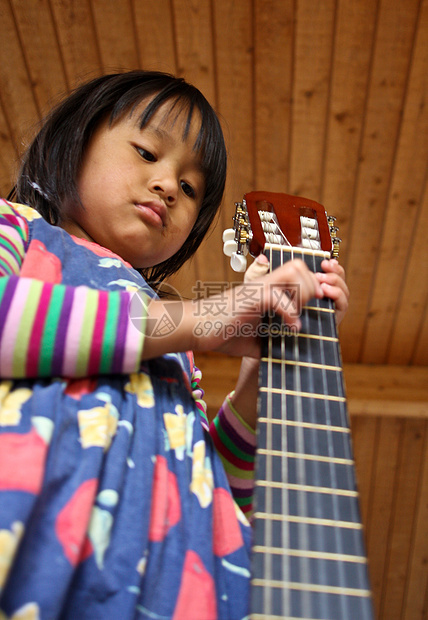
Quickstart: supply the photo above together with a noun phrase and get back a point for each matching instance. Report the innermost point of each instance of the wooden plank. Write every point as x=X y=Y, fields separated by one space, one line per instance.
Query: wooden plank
x=353 y=40
x=409 y=337
x=43 y=56
x=415 y=601
x=364 y=440
x=421 y=352
x=382 y=503
x=390 y=63
x=387 y=390
x=195 y=61
x=8 y=157
x=155 y=35
x=77 y=37
x=16 y=96
x=185 y=280
x=194 y=42
x=406 y=494
x=219 y=375
x=403 y=202
x=233 y=26
x=116 y=37
x=273 y=74
x=313 y=53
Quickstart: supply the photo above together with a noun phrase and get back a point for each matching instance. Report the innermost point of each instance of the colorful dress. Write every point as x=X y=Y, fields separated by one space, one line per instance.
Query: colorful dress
x=114 y=502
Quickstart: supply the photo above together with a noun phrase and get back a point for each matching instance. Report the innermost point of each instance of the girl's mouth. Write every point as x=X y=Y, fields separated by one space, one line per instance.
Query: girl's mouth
x=153 y=212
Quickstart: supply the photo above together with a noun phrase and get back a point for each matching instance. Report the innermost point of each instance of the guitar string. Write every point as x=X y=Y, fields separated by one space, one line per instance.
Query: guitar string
x=347 y=606
x=268 y=593
x=269 y=558
x=342 y=411
x=345 y=612
x=285 y=500
x=351 y=483
x=313 y=438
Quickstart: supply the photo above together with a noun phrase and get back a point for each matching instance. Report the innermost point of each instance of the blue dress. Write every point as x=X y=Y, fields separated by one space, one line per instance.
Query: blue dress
x=113 y=501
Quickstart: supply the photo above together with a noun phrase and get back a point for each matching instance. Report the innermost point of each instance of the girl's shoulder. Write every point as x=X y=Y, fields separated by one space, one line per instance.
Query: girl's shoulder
x=81 y=262
x=16 y=214
x=24 y=211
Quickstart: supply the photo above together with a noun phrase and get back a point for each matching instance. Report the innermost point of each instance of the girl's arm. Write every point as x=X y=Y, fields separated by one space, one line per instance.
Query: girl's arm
x=57 y=330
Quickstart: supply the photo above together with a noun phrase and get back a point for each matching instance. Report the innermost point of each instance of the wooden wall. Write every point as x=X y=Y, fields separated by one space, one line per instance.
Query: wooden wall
x=321 y=98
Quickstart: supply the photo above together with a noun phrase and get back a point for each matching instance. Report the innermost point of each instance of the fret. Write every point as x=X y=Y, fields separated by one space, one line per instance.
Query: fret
x=313 y=537
x=338 y=557
x=324 y=575
x=289 y=518
x=319 y=381
x=305 y=456
x=301 y=471
x=316 y=337
x=314 y=410
x=305 y=487
x=311 y=602
x=321 y=427
x=319 y=442
x=275 y=617
x=318 y=308
x=312 y=587
x=304 y=394
x=302 y=364
x=332 y=507
x=314 y=351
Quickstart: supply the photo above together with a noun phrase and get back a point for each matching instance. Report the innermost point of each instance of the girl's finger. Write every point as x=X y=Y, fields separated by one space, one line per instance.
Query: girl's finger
x=258 y=268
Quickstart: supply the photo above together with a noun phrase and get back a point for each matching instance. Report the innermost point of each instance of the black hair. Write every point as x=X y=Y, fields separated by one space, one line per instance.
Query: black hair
x=47 y=178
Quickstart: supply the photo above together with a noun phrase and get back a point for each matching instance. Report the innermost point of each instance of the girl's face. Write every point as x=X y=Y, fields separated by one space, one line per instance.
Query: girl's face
x=141 y=188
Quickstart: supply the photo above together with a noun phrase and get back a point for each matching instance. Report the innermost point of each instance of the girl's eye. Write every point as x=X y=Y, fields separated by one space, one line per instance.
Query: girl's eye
x=145 y=154
x=188 y=189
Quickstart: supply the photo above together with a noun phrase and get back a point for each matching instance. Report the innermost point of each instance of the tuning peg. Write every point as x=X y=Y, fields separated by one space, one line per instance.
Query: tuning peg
x=229 y=243
x=229 y=247
x=238 y=262
x=228 y=234
x=336 y=244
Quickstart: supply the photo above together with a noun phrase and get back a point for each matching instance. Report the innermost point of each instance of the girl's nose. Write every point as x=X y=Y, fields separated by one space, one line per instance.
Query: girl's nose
x=166 y=187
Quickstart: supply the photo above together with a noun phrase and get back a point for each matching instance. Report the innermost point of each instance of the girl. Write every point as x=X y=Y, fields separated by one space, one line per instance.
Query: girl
x=113 y=500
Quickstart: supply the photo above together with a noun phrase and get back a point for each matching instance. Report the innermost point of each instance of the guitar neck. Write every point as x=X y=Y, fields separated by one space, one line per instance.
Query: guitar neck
x=309 y=559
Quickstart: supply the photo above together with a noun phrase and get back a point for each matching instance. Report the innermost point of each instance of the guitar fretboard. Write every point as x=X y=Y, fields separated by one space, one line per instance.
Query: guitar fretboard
x=309 y=559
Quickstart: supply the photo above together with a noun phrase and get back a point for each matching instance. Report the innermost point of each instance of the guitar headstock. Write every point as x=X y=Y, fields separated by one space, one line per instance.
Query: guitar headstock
x=278 y=219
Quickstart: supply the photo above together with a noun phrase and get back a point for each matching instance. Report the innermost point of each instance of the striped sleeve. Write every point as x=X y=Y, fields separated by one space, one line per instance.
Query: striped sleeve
x=235 y=443
x=13 y=239
x=58 y=330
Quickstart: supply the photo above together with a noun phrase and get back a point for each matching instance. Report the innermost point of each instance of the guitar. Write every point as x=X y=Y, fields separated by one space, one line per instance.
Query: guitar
x=308 y=556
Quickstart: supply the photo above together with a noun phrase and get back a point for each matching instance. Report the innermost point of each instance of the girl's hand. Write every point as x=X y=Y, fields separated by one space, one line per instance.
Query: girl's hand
x=229 y=322
x=334 y=286
x=284 y=291
x=244 y=398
